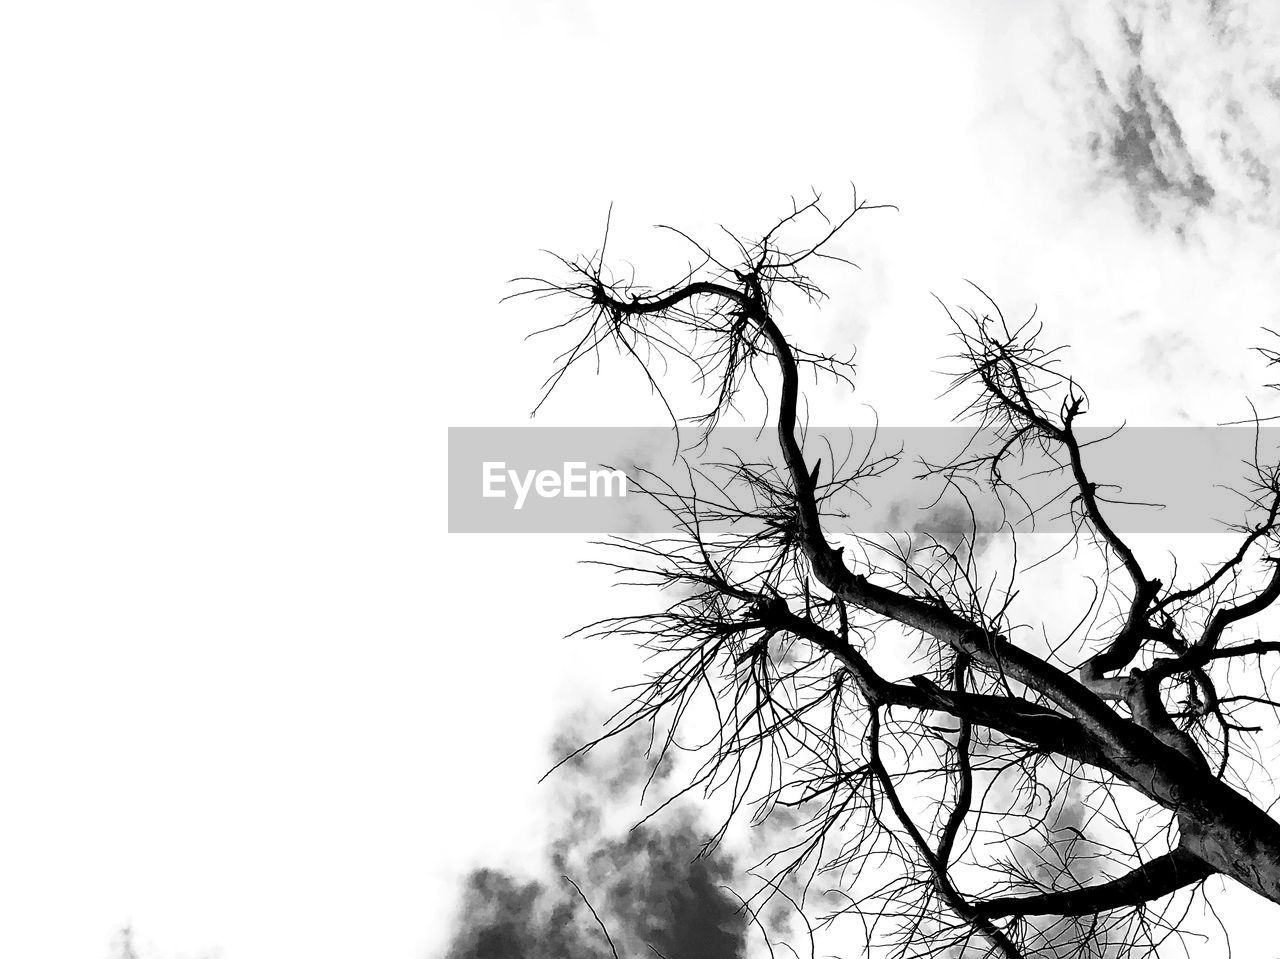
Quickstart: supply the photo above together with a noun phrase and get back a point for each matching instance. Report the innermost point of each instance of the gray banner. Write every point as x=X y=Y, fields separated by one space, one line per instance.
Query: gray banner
x=593 y=479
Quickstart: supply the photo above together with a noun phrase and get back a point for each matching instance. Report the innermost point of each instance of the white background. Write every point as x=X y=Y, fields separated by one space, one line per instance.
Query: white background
x=253 y=699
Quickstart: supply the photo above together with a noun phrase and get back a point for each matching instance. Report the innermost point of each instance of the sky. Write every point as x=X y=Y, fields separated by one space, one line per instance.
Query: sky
x=255 y=700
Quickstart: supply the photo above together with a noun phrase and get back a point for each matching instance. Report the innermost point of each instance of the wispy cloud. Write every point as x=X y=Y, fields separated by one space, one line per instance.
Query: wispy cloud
x=1179 y=105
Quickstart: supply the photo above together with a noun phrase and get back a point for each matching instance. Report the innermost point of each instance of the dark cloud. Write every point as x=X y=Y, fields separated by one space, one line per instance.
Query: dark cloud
x=1180 y=106
x=655 y=887
x=952 y=525
x=958 y=527
x=1138 y=140
x=1142 y=145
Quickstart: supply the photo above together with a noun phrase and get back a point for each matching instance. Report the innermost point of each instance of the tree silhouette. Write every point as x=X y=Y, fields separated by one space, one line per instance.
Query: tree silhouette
x=1021 y=793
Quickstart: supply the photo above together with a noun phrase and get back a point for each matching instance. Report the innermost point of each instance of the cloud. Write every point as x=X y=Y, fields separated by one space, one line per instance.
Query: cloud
x=125 y=945
x=655 y=887
x=1142 y=145
x=1179 y=105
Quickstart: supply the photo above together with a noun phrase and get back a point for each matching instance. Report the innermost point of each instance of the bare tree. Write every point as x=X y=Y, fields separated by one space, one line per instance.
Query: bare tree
x=1023 y=793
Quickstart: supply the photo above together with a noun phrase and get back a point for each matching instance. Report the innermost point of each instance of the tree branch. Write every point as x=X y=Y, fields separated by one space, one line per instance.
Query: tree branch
x=1152 y=880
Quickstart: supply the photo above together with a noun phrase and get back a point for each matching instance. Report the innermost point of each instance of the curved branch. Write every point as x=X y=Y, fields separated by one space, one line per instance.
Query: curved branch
x=964 y=771
x=1234 y=614
x=1205 y=648
x=963 y=635
x=1152 y=880
x=1258 y=532
x=937 y=866
x=1017 y=718
x=642 y=306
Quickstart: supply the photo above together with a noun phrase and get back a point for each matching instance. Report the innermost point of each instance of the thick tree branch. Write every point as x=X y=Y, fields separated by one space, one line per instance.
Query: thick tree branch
x=1020 y=719
x=1151 y=881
